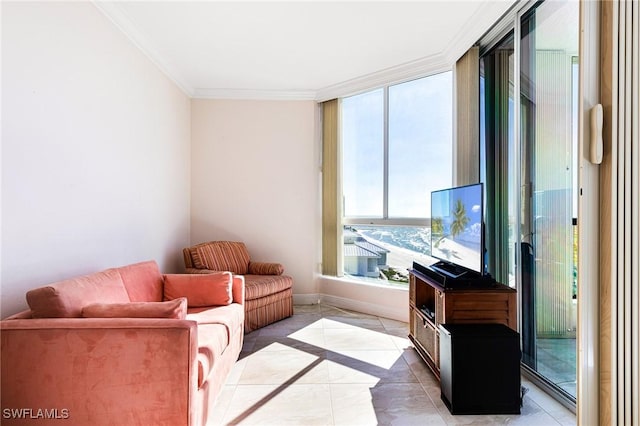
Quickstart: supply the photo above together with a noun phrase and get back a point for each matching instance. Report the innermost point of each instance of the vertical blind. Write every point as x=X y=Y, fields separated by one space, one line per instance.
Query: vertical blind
x=331 y=205
x=466 y=153
x=619 y=216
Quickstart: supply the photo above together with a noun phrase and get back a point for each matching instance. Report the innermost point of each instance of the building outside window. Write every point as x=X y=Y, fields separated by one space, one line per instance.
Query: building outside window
x=396 y=148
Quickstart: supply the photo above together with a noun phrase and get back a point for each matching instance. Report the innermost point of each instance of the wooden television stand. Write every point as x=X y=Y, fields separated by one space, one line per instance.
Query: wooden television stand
x=431 y=304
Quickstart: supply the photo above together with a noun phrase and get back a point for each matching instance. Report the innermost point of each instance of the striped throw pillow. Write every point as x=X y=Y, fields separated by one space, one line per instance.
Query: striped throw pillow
x=221 y=256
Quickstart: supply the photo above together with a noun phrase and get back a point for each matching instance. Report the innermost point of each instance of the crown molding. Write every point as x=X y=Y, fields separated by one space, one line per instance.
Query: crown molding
x=476 y=27
x=255 y=94
x=124 y=23
x=113 y=12
x=393 y=75
x=468 y=35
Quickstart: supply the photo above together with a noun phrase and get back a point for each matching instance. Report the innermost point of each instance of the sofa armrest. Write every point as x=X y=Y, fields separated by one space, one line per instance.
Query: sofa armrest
x=26 y=314
x=238 y=289
x=101 y=371
x=265 y=268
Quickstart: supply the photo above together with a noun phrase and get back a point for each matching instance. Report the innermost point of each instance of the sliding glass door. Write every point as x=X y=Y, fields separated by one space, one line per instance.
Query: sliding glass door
x=529 y=81
x=548 y=141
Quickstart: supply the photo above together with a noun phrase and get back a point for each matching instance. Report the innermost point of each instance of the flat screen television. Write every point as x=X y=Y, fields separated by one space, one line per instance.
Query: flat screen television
x=457 y=235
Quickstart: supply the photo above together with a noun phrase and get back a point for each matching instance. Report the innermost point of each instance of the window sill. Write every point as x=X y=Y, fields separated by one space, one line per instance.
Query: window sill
x=368 y=282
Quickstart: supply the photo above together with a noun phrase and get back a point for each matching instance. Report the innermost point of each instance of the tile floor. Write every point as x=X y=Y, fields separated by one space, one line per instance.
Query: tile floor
x=557 y=362
x=330 y=366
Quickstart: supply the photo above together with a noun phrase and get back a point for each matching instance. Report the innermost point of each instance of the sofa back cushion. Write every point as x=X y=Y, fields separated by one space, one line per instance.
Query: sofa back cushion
x=143 y=281
x=200 y=289
x=221 y=256
x=176 y=309
x=65 y=299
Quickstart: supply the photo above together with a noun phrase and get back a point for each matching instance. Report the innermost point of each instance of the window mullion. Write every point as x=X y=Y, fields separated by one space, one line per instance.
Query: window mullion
x=385 y=191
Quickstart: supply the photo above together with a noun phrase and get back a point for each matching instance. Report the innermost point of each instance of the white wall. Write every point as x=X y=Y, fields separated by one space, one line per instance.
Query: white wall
x=96 y=150
x=255 y=178
x=105 y=162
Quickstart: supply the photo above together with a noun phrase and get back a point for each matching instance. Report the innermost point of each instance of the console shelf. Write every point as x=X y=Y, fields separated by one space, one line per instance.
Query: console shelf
x=431 y=304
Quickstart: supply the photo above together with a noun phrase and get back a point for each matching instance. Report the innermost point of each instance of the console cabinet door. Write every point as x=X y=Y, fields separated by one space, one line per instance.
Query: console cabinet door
x=427 y=335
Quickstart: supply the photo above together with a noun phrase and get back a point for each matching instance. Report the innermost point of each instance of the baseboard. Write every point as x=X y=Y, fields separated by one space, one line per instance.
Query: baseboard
x=366 y=308
x=306 y=299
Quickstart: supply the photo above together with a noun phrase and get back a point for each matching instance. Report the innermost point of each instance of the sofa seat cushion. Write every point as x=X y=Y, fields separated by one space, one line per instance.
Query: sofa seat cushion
x=176 y=309
x=65 y=299
x=216 y=326
x=258 y=286
x=212 y=341
x=231 y=316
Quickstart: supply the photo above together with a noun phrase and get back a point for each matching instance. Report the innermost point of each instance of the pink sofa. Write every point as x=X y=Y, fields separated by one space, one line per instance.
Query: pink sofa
x=125 y=346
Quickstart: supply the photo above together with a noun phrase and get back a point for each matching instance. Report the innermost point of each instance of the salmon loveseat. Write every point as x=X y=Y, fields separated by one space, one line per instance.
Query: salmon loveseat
x=125 y=346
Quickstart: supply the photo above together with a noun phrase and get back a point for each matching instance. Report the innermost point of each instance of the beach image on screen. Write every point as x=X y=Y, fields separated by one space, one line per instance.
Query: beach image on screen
x=456 y=226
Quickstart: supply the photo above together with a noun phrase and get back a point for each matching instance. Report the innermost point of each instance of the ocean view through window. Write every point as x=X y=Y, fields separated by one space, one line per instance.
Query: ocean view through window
x=396 y=149
x=384 y=254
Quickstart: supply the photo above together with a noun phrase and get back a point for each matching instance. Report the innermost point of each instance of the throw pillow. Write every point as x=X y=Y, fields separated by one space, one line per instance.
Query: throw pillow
x=221 y=256
x=65 y=299
x=265 y=268
x=200 y=289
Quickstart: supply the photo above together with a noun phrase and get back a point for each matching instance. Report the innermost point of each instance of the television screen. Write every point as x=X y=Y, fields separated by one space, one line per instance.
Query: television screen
x=456 y=226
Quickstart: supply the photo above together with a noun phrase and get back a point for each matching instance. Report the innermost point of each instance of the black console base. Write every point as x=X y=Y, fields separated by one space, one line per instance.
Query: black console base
x=480 y=369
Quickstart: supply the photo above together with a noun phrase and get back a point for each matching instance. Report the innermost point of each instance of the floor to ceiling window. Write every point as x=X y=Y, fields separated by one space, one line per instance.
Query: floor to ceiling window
x=396 y=149
x=498 y=158
x=529 y=106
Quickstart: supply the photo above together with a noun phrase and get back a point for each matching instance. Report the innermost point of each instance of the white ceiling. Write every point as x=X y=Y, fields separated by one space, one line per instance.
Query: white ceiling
x=300 y=49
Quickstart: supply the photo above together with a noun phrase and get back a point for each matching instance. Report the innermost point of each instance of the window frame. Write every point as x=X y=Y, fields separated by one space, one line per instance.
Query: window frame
x=385 y=220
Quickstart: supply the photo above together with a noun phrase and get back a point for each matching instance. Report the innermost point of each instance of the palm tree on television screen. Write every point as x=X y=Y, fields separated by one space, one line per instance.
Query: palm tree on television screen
x=460 y=220
x=437 y=229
